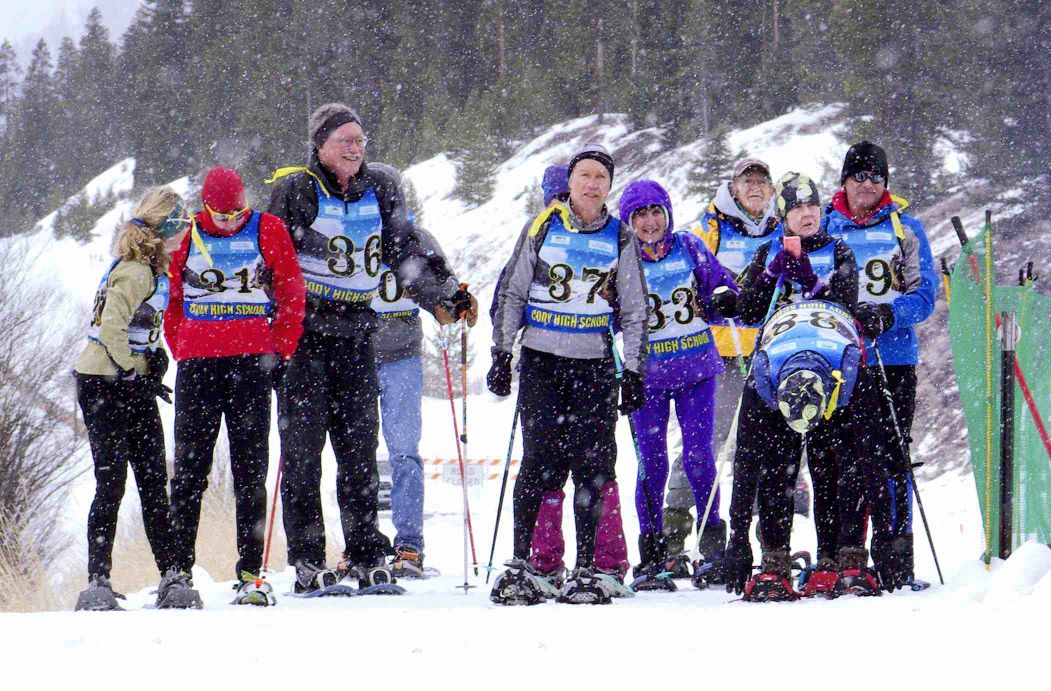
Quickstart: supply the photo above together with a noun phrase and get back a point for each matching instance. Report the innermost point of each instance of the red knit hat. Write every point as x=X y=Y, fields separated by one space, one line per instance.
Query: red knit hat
x=223 y=190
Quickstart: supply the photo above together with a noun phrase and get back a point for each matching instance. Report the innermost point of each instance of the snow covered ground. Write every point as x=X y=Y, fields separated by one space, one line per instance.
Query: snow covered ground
x=976 y=629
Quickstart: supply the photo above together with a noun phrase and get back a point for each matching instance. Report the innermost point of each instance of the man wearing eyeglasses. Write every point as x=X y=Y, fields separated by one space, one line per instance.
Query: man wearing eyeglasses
x=348 y=220
x=738 y=220
x=897 y=289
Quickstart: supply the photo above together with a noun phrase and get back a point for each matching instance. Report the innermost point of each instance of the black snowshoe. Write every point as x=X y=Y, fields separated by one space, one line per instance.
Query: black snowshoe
x=519 y=584
x=310 y=578
x=651 y=575
x=678 y=565
x=773 y=583
x=374 y=578
x=176 y=592
x=99 y=597
x=584 y=587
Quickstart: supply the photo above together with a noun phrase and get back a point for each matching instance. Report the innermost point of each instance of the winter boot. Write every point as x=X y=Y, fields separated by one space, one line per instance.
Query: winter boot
x=677 y=526
x=253 y=590
x=176 y=592
x=584 y=587
x=773 y=582
x=650 y=574
x=548 y=545
x=366 y=574
x=611 y=549
x=711 y=543
x=819 y=578
x=311 y=577
x=98 y=597
x=678 y=565
x=407 y=563
x=855 y=577
x=520 y=585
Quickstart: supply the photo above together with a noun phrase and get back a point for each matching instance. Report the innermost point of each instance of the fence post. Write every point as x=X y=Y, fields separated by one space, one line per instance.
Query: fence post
x=1008 y=337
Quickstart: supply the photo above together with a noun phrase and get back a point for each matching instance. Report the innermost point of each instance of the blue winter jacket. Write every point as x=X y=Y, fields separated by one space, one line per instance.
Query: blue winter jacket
x=895 y=266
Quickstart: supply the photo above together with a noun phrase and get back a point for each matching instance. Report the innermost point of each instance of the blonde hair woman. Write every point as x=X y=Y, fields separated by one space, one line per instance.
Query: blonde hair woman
x=119 y=373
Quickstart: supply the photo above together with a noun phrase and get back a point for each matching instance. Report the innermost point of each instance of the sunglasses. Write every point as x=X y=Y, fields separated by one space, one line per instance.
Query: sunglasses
x=226 y=217
x=862 y=176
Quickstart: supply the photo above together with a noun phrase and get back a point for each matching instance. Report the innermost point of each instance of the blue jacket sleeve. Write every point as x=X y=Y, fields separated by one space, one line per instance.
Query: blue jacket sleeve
x=920 y=289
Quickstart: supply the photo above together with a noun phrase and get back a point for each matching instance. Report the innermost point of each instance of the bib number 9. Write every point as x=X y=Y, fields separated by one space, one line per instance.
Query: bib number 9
x=878 y=272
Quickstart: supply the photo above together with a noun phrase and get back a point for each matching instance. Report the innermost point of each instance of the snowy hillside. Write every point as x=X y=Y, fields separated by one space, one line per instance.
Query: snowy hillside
x=441 y=636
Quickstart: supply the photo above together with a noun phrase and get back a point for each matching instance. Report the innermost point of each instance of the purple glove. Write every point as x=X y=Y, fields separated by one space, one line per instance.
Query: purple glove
x=793 y=269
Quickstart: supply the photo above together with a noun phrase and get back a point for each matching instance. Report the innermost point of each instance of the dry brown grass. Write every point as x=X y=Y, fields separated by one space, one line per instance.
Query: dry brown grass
x=24 y=581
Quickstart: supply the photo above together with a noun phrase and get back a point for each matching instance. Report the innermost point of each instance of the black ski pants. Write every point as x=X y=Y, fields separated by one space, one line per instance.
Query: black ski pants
x=207 y=390
x=331 y=389
x=124 y=428
x=847 y=478
x=568 y=408
x=896 y=524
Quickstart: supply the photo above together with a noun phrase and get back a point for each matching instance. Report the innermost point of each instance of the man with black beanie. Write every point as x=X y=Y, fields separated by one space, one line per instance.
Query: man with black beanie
x=347 y=219
x=897 y=289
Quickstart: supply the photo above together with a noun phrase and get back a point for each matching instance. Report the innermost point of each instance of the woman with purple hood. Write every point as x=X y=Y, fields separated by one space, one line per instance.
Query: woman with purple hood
x=684 y=279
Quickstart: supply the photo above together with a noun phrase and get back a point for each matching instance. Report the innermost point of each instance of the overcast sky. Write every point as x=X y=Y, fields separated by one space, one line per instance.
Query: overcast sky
x=24 y=22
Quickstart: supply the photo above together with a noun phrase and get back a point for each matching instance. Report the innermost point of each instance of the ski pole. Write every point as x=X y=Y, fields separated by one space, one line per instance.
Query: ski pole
x=1020 y=378
x=503 y=490
x=903 y=449
x=619 y=367
x=468 y=529
x=273 y=513
x=735 y=336
x=724 y=452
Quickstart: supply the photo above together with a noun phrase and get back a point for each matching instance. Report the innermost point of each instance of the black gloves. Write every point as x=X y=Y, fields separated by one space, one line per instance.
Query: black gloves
x=632 y=396
x=155 y=387
x=736 y=565
x=499 y=378
x=157 y=361
x=724 y=304
x=875 y=319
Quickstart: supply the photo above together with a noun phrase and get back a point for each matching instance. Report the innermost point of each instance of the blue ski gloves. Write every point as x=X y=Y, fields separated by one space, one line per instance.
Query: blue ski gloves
x=797 y=269
x=736 y=565
x=875 y=319
x=499 y=378
x=632 y=395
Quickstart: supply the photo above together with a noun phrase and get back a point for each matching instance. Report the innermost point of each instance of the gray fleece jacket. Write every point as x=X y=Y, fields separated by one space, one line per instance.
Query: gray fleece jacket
x=629 y=297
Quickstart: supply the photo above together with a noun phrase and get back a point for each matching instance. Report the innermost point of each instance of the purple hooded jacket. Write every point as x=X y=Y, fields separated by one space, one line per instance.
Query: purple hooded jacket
x=708 y=275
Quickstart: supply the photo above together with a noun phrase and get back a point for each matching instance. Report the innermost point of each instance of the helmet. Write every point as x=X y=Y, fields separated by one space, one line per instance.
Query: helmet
x=802 y=399
x=795 y=189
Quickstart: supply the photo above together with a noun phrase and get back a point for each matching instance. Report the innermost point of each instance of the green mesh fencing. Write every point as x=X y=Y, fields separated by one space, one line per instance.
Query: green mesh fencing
x=976 y=358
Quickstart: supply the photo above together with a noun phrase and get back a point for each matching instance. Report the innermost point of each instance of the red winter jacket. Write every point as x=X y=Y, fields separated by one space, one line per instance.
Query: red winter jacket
x=193 y=338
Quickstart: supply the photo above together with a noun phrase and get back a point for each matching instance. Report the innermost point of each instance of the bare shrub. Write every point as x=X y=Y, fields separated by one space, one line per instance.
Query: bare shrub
x=38 y=441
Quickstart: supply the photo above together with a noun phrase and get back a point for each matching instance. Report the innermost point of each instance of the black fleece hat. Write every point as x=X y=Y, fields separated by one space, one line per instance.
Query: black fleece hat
x=327 y=119
x=595 y=152
x=865 y=156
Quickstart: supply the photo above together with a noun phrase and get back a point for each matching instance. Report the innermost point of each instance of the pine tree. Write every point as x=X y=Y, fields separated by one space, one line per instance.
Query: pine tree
x=478 y=151
x=9 y=71
x=711 y=167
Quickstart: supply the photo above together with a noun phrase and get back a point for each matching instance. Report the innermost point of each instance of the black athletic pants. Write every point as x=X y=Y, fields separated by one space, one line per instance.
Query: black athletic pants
x=206 y=391
x=896 y=529
x=568 y=408
x=767 y=461
x=331 y=389
x=124 y=428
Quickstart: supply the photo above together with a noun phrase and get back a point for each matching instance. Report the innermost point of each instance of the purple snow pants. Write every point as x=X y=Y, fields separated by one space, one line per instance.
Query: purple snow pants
x=695 y=409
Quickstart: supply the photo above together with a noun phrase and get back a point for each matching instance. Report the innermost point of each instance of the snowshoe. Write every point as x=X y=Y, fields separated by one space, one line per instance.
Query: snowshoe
x=585 y=587
x=311 y=578
x=371 y=579
x=613 y=582
x=818 y=579
x=650 y=578
x=705 y=575
x=678 y=565
x=176 y=592
x=253 y=590
x=855 y=578
x=408 y=563
x=773 y=583
x=916 y=585
x=551 y=581
x=99 y=597
x=520 y=585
